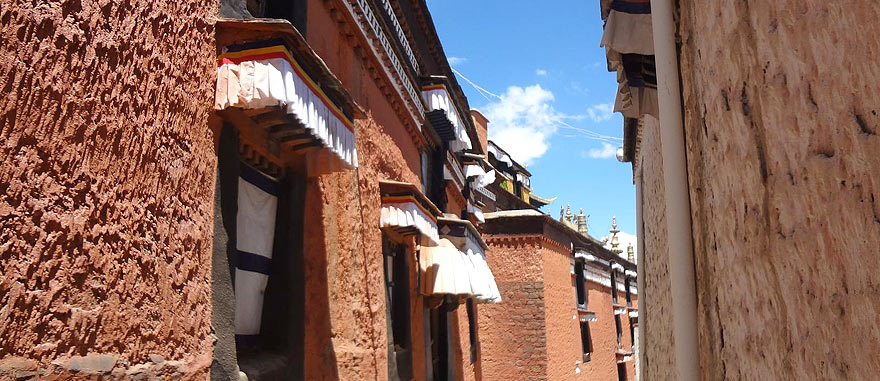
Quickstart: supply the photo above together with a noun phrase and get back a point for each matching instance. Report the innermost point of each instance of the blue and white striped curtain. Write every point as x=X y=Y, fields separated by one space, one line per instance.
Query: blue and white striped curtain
x=255 y=226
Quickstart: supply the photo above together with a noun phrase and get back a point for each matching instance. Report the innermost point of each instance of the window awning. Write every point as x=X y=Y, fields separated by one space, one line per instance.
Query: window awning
x=406 y=211
x=264 y=74
x=467 y=239
x=444 y=270
x=476 y=212
x=443 y=115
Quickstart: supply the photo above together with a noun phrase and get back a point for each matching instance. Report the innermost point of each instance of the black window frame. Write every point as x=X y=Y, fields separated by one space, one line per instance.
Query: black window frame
x=586 y=341
x=396 y=260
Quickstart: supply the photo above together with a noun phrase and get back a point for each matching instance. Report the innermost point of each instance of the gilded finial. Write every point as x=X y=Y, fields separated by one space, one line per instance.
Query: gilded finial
x=582 y=223
x=568 y=213
x=630 y=253
x=614 y=241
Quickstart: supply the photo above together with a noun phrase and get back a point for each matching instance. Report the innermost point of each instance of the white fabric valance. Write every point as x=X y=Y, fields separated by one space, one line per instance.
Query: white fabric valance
x=629 y=33
x=269 y=76
x=616 y=267
x=482 y=280
x=633 y=102
x=500 y=155
x=437 y=98
x=444 y=270
x=476 y=211
x=405 y=212
x=583 y=255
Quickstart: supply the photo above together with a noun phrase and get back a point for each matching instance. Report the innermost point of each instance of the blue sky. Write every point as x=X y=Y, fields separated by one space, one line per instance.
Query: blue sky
x=545 y=63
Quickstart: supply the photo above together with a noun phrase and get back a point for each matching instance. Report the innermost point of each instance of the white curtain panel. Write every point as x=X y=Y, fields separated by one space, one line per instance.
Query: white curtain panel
x=408 y=214
x=258 y=83
x=477 y=212
x=444 y=270
x=255 y=235
x=499 y=155
x=629 y=32
x=438 y=99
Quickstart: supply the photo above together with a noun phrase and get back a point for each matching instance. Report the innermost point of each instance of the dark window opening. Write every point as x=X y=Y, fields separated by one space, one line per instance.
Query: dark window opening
x=265 y=297
x=586 y=341
x=295 y=11
x=580 y=281
x=619 y=330
x=398 y=307
x=629 y=302
x=632 y=332
x=472 y=328
x=621 y=371
x=613 y=285
x=441 y=359
x=437 y=185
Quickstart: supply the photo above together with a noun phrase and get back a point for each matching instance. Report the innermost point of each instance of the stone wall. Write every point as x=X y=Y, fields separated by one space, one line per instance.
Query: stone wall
x=655 y=311
x=106 y=188
x=783 y=136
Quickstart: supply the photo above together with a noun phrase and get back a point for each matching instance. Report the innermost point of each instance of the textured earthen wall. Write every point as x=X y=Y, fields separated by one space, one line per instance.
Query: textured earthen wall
x=563 y=329
x=106 y=187
x=655 y=312
x=345 y=278
x=512 y=335
x=783 y=135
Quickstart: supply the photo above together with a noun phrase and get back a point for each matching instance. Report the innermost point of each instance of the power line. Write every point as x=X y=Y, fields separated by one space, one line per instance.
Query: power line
x=589 y=134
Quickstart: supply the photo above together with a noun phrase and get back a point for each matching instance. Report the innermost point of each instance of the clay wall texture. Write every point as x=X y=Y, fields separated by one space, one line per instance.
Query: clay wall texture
x=106 y=187
x=783 y=135
x=535 y=333
x=655 y=312
x=512 y=335
x=344 y=248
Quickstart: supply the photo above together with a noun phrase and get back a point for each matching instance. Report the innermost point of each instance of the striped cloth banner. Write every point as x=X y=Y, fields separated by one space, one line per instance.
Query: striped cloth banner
x=255 y=225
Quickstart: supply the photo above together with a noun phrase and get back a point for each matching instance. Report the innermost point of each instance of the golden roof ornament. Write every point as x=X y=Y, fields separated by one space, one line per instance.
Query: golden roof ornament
x=568 y=213
x=582 y=223
x=630 y=253
x=614 y=241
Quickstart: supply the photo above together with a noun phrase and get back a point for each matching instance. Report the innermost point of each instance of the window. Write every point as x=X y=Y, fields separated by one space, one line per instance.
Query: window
x=295 y=11
x=621 y=371
x=579 y=281
x=426 y=173
x=613 y=285
x=619 y=330
x=626 y=281
x=258 y=262
x=632 y=333
x=398 y=306
x=586 y=341
x=472 y=325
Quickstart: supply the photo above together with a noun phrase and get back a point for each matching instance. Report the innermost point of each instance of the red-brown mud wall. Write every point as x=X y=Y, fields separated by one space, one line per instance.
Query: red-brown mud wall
x=512 y=335
x=563 y=334
x=783 y=135
x=106 y=187
x=345 y=294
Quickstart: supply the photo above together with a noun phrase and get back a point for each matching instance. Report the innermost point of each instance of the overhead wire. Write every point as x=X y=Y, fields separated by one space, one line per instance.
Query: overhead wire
x=587 y=133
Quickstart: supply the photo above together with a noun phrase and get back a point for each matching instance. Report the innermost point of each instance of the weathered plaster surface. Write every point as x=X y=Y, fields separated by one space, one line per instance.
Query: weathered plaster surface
x=106 y=185
x=512 y=333
x=655 y=312
x=783 y=136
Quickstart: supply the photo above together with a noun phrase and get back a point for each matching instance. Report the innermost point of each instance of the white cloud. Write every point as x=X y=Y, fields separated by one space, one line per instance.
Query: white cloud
x=541 y=72
x=601 y=112
x=453 y=61
x=523 y=121
x=607 y=151
x=625 y=240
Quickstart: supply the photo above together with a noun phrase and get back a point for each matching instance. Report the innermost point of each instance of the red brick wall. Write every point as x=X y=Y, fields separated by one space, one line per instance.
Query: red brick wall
x=106 y=185
x=512 y=334
x=563 y=332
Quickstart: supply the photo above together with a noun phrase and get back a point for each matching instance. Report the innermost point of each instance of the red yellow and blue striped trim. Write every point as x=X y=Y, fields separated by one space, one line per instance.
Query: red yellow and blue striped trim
x=407 y=199
x=279 y=51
